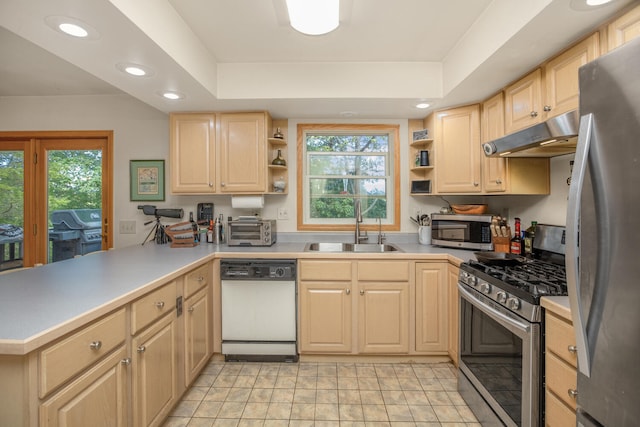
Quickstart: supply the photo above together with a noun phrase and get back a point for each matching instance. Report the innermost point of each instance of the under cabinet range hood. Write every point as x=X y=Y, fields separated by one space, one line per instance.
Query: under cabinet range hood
x=555 y=137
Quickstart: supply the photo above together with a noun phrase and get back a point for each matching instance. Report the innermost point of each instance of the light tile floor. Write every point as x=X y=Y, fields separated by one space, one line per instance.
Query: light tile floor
x=323 y=394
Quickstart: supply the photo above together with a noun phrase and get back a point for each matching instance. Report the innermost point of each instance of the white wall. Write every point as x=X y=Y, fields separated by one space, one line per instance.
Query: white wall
x=142 y=132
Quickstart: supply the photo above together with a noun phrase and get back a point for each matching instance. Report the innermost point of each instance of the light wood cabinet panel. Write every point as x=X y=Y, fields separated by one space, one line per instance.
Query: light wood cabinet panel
x=454 y=316
x=383 y=271
x=457 y=150
x=560 y=336
x=198 y=323
x=383 y=318
x=556 y=413
x=153 y=306
x=155 y=376
x=561 y=379
x=325 y=317
x=325 y=270
x=493 y=168
x=523 y=102
x=97 y=398
x=196 y=280
x=193 y=153
x=242 y=152
x=561 y=76
x=432 y=296
x=61 y=361
x=624 y=29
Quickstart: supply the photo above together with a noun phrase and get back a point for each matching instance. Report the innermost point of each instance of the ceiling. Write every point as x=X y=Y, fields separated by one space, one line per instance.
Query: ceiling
x=222 y=55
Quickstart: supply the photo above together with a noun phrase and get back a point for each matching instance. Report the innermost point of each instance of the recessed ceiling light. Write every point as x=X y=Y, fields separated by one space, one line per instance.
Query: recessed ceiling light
x=589 y=5
x=72 y=27
x=597 y=2
x=171 y=95
x=314 y=17
x=423 y=105
x=348 y=113
x=134 y=69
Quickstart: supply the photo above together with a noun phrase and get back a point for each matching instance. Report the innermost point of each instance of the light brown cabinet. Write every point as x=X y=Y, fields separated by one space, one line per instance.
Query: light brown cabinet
x=192 y=153
x=523 y=102
x=332 y=291
x=624 y=28
x=493 y=168
x=457 y=150
x=432 y=307
x=454 y=315
x=560 y=371
x=197 y=333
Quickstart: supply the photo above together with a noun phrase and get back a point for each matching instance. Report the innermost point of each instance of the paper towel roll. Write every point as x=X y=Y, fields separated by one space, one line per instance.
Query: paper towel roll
x=247 y=202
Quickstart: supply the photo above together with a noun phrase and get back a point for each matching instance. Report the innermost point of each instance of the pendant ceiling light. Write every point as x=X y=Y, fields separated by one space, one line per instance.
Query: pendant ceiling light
x=314 y=17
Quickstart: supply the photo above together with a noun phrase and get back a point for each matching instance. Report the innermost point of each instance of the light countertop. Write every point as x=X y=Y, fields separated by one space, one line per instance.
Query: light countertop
x=43 y=303
x=558 y=305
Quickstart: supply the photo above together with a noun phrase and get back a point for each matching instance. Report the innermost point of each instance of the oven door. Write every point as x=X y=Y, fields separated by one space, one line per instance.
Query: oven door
x=500 y=362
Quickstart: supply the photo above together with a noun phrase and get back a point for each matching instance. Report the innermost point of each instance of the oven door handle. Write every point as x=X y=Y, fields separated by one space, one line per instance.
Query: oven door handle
x=475 y=299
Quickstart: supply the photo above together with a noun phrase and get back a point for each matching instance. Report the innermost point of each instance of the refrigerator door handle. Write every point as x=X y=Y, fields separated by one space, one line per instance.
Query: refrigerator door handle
x=585 y=134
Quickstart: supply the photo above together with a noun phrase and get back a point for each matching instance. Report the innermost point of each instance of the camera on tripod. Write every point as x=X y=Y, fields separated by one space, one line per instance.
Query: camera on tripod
x=167 y=213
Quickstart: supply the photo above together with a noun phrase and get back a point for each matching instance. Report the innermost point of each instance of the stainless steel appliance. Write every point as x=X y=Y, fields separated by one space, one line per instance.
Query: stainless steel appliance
x=75 y=232
x=251 y=231
x=602 y=240
x=461 y=231
x=501 y=333
x=259 y=309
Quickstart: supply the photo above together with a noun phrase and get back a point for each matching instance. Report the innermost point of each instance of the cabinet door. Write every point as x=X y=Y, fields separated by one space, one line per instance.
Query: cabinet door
x=454 y=315
x=155 y=367
x=561 y=76
x=242 y=152
x=192 y=153
x=493 y=168
x=197 y=331
x=432 y=333
x=523 y=102
x=457 y=142
x=325 y=317
x=624 y=29
x=383 y=317
x=97 y=398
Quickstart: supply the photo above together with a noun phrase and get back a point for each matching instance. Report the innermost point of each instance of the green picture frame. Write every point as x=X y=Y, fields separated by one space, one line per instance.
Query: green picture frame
x=146 y=180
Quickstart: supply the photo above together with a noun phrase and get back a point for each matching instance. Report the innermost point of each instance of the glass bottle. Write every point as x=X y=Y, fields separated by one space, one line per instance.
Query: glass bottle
x=279 y=161
x=529 y=235
x=516 y=240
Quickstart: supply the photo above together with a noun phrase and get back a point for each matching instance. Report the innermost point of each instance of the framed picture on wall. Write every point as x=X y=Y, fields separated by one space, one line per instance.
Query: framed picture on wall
x=147 y=180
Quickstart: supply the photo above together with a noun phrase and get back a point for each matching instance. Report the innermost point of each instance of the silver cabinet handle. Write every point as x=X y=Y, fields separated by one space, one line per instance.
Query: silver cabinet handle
x=200 y=279
x=95 y=345
x=126 y=362
x=361 y=291
x=547 y=108
x=534 y=114
x=211 y=184
x=498 y=181
x=141 y=349
x=347 y=291
x=190 y=310
x=222 y=184
x=572 y=349
x=160 y=305
x=572 y=393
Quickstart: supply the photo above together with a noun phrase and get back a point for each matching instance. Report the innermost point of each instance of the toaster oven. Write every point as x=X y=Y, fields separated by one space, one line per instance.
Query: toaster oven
x=251 y=232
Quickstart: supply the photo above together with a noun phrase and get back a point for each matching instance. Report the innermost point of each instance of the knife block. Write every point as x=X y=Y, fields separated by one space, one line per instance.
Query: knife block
x=502 y=244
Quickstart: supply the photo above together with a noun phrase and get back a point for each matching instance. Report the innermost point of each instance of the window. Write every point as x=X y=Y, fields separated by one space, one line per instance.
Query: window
x=339 y=164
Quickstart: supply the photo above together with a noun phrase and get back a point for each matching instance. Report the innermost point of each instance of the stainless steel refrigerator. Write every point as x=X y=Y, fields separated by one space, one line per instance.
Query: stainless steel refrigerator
x=603 y=240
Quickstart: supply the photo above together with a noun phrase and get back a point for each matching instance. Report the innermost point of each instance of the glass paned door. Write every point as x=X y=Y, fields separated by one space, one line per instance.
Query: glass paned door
x=74 y=202
x=11 y=209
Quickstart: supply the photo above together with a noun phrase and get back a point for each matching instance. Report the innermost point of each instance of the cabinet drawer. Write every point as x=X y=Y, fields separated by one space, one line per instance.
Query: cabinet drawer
x=560 y=378
x=61 y=361
x=559 y=336
x=325 y=270
x=152 y=306
x=383 y=271
x=195 y=280
x=557 y=414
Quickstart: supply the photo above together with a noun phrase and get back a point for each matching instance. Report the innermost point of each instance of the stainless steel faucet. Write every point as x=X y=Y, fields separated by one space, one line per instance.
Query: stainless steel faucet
x=358 y=215
x=381 y=236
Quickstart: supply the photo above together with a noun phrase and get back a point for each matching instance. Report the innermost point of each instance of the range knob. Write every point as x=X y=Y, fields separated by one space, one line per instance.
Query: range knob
x=485 y=288
x=513 y=303
x=502 y=297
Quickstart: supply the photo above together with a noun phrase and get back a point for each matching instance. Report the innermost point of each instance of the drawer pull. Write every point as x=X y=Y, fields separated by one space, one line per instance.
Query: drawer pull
x=160 y=305
x=95 y=345
x=200 y=279
x=572 y=393
x=361 y=291
x=142 y=349
x=348 y=291
x=126 y=362
x=191 y=309
x=572 y=349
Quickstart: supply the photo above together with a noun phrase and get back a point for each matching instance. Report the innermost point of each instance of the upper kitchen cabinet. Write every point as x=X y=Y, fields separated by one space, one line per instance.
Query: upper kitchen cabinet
x=193 y=153
x=523 y=100
x=242 y=152
x=421 y=169
x=624 y=29
x=493 y=168
x=457 y=150
x=278 y=173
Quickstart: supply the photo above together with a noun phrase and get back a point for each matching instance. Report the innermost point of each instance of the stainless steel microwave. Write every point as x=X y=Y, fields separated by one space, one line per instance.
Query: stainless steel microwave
x=462 y=231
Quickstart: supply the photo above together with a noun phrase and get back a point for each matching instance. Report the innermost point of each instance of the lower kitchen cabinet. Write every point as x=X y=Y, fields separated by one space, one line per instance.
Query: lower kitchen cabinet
x=98 y=397
x=197 y=333
x=155 y=372
x=383 y=317
x=454 y=315
x=432 y=321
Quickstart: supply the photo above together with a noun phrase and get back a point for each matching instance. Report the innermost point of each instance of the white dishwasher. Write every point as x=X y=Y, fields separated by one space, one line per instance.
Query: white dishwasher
x=259 y=310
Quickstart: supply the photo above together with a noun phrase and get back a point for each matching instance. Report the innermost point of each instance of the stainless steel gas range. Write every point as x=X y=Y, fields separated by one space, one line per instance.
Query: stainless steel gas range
x=501 y=374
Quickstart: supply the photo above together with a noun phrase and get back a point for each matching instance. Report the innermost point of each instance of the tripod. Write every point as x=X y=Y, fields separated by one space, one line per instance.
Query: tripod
x=160 y=236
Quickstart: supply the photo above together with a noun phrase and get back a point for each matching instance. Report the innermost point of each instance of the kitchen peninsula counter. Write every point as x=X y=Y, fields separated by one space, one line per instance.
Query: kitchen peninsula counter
x=44 y=303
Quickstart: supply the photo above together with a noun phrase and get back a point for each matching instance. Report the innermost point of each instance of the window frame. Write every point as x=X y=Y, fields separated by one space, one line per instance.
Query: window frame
x=393 y=187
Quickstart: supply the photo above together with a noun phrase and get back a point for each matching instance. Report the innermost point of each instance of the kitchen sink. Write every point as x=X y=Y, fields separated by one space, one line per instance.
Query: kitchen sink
x=351 y=247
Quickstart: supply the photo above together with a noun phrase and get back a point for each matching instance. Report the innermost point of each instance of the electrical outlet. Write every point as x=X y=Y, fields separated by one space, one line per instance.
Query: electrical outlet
x=127 y=227
x=283 y=213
